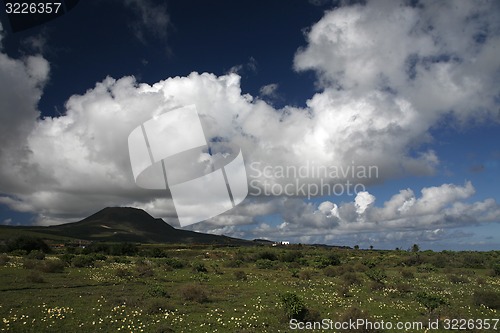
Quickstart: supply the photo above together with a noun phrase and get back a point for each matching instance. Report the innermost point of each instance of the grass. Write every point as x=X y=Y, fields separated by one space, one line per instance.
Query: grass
x=206 y=289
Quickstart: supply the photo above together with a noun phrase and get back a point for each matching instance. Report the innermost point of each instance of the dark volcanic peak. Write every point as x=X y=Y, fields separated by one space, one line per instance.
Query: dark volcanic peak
x=120 y=214
x=118 y=224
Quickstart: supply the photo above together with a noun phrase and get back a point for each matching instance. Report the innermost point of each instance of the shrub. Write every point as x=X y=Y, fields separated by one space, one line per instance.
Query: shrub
x=355 y=314
x=201 y=277
x=34 y=277
x=330 y=271
x=489 y=299
x=376 y=285
x=236 y=263
x=293 y=306
x=267 y=255
x=480 y=281
x=351 y=278
x=305 y=274
x=4 y=259
x=240 y=275
x=174 y=263
x=52 y=266
x=473 y=260
x=376 y=275
x=143 y=269
x=407 y=274
x=291 y=256
x=122 y=273
x=29 y=263
x=264 y=264
x=331 y=260
x=157 y=305
x=194 y=293
x=217 y=269
x=82 y=261
x=370 y=263
x=439 y=260
x=496 y=270
x=121 y=260
x=458 y=279
x=157 y=290
x=413 y=260
x=28 y=244
x=164 y=328
x=424 y=268
x=36 y=254
x=403 y=288
x=98 y=256
x=199 y=267
x=431 y=302
x=154 y=252
x=344 y=291
x=67 y=258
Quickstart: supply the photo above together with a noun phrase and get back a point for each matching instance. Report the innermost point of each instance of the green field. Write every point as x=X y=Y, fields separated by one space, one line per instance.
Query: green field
x=244 y=289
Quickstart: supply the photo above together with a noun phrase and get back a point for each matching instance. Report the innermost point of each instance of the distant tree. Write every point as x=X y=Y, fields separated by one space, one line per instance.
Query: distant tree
x=356 y=247
x=415 y=248
x=371 y=247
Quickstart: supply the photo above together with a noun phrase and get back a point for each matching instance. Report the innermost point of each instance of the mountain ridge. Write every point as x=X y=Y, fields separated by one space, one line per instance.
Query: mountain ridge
x=127 y=224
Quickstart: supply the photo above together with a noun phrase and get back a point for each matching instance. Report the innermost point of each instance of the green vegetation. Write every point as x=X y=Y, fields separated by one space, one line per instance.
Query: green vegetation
x=108 y=287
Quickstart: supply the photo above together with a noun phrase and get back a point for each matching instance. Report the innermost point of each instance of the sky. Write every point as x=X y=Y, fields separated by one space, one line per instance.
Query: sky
x=360 y=123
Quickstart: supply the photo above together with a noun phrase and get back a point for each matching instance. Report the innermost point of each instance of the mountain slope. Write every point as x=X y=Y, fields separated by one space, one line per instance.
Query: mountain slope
x=126 y=224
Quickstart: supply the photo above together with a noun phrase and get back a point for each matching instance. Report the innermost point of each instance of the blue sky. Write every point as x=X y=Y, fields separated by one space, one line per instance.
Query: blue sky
x=396 y=85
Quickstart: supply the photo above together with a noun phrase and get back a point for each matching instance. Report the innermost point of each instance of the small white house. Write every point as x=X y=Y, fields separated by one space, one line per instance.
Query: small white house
x=285 y=243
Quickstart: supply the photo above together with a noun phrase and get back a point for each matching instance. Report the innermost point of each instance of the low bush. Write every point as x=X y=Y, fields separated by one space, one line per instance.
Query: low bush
x=157 y=305
x=34 y=277
x=264 y=264
x=431 y=302
x=403 y=288
x=233 y=263
x=354 y=314
x=67 y=258
x=267 y=255
x=291 y=256
x=29 y=263
x=157 y=290
x=376 y=275
x=425 y=268
x=144 y=269
x=174 y=263
x=489 y=299
x=496 y=270
x=193 y=293
x=240 y=275
x=351 y=278
x=305 y=274
x=330 y=271
x=344 y=291
x=123 y=273
x=293 y=306
x=458 y=279
x=51 y=266
x=407 y=274
x=4 y=259
x=377 y=286
x=199 y=267
x=82 y=261
x=36 y=255
x=330 y=260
